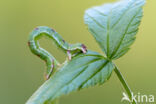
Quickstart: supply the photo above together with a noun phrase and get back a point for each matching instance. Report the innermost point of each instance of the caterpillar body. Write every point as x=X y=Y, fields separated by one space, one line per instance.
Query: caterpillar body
x=50 y=60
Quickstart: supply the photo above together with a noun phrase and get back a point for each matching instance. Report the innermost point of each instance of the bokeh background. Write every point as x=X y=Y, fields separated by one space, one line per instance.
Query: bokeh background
x=21 y=73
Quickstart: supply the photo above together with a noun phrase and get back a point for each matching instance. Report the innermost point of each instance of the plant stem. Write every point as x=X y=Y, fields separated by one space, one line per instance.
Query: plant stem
x=125 y=85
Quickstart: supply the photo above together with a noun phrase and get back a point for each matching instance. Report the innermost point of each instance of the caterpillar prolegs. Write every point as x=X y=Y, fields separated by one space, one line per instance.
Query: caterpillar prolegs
x=51 y=62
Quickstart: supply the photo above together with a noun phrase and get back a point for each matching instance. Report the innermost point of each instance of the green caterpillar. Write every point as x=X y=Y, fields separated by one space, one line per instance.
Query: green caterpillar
x=51 y=62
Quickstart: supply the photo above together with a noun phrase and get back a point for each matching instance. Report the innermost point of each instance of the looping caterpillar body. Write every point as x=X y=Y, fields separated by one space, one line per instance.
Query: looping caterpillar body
x=51 y=62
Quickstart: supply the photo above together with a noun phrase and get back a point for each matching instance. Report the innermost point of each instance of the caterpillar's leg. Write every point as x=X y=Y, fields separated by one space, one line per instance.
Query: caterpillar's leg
x=84 y=48
x=74 y=48
x=69 y=54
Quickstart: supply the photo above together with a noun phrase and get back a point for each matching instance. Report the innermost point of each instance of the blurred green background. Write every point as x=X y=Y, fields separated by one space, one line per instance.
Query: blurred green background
x=21 y=73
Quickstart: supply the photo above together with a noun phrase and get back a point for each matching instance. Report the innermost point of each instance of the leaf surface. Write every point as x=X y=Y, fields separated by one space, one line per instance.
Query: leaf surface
x=115 y=25
x=83 y=71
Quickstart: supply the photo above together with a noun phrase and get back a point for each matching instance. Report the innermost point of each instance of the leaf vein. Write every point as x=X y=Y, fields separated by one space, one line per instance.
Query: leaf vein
x=118 y=46
x=95 y=21
x=122 y=15
x=99 y=12
x=98 y=70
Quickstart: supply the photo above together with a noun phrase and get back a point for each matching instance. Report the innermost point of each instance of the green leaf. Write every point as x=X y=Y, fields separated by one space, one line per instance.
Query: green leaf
x=115 y=25
x=83 y=71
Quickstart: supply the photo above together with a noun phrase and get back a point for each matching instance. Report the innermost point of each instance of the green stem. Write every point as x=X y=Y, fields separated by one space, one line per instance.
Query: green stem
x=124 y=83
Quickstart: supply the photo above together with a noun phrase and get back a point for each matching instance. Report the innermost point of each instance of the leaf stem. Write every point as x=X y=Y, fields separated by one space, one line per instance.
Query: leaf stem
x=124 y=84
